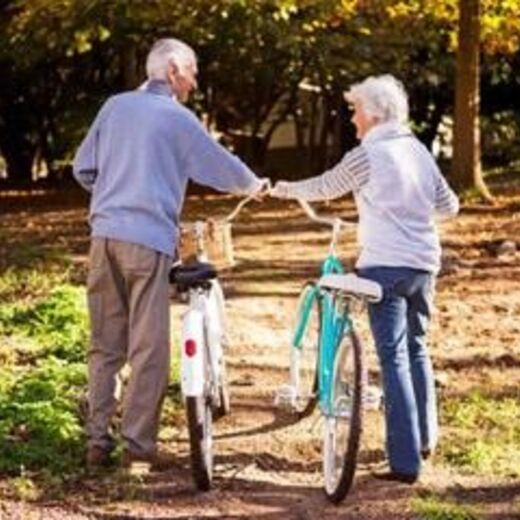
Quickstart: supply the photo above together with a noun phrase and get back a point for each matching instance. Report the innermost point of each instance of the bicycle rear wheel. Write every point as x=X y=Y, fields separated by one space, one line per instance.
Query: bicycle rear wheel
x=200 y=430
x=343 y=426
x=305 y=350
x=224 y=405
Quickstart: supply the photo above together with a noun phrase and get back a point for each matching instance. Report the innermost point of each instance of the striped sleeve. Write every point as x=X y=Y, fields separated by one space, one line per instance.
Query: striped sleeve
x=446 y=202
x=350 y=174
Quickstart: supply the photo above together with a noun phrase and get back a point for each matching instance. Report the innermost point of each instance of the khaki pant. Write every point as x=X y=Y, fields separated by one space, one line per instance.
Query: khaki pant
x=129 y=313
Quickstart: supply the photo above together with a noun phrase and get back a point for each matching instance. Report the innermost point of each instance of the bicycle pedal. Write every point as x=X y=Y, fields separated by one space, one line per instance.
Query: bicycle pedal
x=343 y=408
x=225 y=342
x=313 y=426
x=286 y=397
x=373 y=398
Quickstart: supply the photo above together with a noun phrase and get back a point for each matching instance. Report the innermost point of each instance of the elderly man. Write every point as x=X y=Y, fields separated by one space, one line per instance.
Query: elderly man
x=136 y=159
x=398 y=190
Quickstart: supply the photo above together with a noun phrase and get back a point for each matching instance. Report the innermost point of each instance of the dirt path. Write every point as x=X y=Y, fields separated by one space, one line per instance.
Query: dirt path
x=267 y=466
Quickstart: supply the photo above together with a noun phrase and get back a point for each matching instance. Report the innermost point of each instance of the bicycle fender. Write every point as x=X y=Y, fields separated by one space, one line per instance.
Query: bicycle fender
x=192 y=353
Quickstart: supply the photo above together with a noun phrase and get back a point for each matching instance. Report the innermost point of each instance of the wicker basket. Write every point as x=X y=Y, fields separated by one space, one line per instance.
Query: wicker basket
x=217 y=243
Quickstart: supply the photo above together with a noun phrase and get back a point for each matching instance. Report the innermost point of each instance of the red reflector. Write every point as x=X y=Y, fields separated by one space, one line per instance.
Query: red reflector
x=190 y=347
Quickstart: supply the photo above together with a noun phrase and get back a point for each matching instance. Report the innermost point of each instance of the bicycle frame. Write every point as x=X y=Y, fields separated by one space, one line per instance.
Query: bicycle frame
x=334 y=324
x=203 y=329
x=329 y=370
x=203 y=371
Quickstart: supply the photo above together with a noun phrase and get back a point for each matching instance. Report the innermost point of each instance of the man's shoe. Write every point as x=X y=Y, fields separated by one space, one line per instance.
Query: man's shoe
x=98 y=457
x=426 y=453
x=395 y=476
x=158 y=461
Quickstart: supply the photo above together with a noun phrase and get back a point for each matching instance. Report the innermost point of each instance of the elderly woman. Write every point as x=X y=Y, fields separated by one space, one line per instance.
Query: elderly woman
x=398 y=190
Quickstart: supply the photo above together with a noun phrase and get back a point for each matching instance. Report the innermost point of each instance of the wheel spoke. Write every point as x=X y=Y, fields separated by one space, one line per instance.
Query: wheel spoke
x=343 y=426
x=304 y=359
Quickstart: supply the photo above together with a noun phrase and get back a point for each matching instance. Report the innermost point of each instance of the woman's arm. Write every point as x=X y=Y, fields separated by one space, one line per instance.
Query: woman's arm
x=350 y=174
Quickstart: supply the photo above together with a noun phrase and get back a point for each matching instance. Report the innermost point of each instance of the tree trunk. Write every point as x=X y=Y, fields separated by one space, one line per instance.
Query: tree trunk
x=466 y=166
x=128 y=60
x=312 y=129
x=323 y=155
x=16 y=146
x=19 y=160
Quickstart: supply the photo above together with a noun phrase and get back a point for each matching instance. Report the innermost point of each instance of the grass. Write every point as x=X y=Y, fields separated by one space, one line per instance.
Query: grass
x=484 y=434
x=55 y=324
x=432 y=507
x=43 y=344
x=43 y=335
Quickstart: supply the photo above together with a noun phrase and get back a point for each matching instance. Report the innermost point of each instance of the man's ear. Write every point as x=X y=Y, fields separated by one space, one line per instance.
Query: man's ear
x=173 y=70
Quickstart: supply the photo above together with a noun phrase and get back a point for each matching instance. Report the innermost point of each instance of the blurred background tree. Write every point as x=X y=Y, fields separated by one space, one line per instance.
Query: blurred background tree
x=267 y=68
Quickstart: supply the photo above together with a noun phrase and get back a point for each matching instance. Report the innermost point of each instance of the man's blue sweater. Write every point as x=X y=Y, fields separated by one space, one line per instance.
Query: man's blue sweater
x=137 y=158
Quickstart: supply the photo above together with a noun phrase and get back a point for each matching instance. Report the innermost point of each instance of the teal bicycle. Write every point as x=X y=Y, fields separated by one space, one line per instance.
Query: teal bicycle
x=327 y=366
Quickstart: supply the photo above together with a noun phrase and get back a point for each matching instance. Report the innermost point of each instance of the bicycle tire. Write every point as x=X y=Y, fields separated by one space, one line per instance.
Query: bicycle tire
x=200 y=425
x=305 y=356
x=224 y=405
x=340 y=453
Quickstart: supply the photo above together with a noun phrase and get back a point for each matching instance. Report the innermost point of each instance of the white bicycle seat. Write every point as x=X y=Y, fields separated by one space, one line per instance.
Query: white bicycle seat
x=352 y=284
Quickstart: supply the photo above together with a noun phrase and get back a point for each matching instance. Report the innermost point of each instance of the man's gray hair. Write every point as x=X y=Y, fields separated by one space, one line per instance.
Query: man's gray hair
x=382 y=97
x=165 y=52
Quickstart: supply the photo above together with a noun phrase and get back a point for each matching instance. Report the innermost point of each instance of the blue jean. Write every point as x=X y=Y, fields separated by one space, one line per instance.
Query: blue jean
x=399 y=324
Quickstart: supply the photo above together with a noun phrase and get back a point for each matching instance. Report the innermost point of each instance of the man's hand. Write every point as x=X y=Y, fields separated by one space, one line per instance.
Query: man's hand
x=264 y=189
x=280 y=190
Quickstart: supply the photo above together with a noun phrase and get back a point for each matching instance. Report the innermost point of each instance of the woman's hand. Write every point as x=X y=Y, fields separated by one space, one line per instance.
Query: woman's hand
x=280 y=190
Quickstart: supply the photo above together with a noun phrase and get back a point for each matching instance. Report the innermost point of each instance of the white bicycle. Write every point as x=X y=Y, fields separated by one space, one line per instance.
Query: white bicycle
x=204 y=340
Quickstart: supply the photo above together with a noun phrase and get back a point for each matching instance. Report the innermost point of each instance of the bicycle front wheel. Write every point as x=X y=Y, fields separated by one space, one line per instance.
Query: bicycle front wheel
x=200 y=430
x=305 y=350
x=343 y=424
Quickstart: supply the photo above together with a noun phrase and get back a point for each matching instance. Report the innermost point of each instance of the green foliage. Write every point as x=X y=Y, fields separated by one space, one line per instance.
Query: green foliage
x=25 y=284
x=63 y=58
x=501 y=137
x=43 y=342
x=500 y=26
x=432 y=507
x=43 y=374
x=484 y=434
x=57 y=323
x=24 y=488
x=39 y=423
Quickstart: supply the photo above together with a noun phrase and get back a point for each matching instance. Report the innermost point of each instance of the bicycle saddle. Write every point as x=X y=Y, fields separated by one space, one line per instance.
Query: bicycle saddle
x=192 y=274
x=353 y=284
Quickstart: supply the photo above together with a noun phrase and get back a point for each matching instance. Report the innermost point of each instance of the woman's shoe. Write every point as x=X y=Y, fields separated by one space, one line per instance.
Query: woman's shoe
x=426 y=453
x=396 y=476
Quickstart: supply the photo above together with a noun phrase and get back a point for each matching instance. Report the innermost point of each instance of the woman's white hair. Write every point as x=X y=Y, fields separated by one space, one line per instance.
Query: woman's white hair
x=165 y=52
x=382 y=97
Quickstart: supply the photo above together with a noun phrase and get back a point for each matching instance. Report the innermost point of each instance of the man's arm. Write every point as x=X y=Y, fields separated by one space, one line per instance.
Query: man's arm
x=85 y=166
x=210 y=164
x=350 y=174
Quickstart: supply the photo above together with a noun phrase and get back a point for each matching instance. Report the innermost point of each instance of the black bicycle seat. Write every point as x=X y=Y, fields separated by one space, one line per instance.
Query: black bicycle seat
x=192 y=274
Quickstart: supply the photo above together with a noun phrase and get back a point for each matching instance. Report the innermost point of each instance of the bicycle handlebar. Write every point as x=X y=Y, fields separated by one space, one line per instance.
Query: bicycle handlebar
x=266 y=187
x=335 y=222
